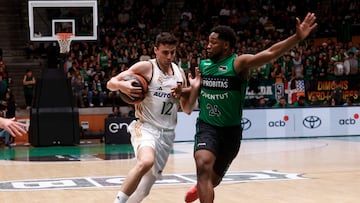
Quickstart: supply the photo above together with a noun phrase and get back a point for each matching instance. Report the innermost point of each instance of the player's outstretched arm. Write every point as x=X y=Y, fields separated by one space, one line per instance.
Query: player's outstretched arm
x=303 y=29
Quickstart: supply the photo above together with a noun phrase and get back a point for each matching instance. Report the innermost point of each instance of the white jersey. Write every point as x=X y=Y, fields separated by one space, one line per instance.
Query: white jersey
x=159 y=108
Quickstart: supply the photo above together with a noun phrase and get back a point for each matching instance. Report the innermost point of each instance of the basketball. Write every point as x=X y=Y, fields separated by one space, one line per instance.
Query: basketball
x=140 y=81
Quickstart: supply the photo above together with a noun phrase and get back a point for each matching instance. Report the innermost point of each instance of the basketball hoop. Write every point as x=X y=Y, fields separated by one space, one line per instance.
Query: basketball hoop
x=64 y=40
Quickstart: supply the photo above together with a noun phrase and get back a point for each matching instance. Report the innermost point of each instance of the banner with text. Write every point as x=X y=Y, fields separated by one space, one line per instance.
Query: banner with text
x=281 y=123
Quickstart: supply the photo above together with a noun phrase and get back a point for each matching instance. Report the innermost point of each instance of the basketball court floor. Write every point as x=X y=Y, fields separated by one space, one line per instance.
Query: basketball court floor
x=306 y=170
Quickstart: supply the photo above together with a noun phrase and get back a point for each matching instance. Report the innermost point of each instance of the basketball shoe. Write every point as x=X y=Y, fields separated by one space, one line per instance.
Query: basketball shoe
x=191 y=195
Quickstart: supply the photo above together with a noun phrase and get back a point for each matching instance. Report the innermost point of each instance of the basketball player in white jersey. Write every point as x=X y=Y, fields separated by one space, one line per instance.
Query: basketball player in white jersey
x=153 y=133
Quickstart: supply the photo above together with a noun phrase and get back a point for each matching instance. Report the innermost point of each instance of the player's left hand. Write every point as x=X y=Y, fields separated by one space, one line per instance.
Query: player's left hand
x=176 y=91
x=304 y=28
x=195 y=80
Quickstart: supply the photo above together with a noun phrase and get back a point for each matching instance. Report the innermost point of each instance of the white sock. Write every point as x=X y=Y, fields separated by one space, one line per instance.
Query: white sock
x=121 y=198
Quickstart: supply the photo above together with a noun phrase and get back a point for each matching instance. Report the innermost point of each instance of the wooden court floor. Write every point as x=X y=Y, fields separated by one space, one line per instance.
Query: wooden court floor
x=303 y=170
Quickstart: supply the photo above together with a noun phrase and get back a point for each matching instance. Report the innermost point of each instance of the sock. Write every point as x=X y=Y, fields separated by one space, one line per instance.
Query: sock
x=121 y=198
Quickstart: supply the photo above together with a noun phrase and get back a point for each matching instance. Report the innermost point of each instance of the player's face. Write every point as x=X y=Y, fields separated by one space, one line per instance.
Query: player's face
x=215 y=47
x=165 y=54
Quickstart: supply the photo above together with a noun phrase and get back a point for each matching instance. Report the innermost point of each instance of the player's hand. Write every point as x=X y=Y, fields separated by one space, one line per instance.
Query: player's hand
x=304 y=28
x=13 y=127
x=127 y=88
x=195 y=80
x=176 y=91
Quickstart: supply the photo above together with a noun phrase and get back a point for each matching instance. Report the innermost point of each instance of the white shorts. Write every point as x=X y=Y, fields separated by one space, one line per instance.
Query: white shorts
x=161 y=140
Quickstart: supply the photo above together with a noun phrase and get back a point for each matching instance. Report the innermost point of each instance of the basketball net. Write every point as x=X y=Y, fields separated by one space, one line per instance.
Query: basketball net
x=64 y=40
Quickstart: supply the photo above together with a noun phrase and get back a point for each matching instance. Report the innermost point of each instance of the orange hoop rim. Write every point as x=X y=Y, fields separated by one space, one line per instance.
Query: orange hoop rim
x=64 y=35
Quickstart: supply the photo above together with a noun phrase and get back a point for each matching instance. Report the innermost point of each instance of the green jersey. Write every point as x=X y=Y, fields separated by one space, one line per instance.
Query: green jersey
x=222 y=93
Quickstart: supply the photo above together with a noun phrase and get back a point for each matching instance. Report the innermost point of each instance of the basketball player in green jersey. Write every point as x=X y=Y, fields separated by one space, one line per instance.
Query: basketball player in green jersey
x=221 y=98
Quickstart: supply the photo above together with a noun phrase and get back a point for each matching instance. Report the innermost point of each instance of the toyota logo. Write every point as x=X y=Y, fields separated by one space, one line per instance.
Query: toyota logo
x=312 y=122
x=245 y=123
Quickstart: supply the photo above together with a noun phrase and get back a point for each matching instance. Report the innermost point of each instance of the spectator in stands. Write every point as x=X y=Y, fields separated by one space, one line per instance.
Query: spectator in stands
x=131 y=112
x=144 y=56
x=337 y=92
x=349 y=101
x=254 y=82
x=108 y=68
x=184 y=63
x=351 y=47
x=28 y=87
x=297 y=69
x=69 y=61
x=287 y=66
x=103 y=56
x=262 y=103
x=314 y=101
x=96 y=90
x=134 y=55
x=332 y=69
x=277 y=72
x=122 y=57
x=73 y=68
x=115 y=112
x=123 y=17
x=353 y=63
x=282 y=103
x=77 y=84
x=98 y=71
x=321 y=68
x=291 y=8
x=224 y=14
x=8 y=105
x=186 y=19
x=330 y=102
x=264 y=72
x=85 y=72
x=263 y=19
x=301 y=102
x=309 y=78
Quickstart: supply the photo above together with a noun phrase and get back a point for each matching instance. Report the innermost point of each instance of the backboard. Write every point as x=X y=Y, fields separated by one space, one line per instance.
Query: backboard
x=47 y=18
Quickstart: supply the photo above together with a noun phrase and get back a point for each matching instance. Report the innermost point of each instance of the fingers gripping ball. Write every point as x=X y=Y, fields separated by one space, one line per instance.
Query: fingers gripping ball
x=140 y=81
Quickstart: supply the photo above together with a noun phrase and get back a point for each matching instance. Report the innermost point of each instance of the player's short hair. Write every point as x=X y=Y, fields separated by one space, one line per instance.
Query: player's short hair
x=225 y=33
x=165 y=38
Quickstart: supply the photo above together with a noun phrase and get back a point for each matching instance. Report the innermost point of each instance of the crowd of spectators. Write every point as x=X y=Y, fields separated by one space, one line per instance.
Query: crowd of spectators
x=128 y=29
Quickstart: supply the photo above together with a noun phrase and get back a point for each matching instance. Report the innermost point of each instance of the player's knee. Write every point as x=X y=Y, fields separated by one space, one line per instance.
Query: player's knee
x=203 y=164
x=144 y=165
